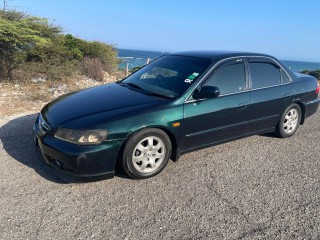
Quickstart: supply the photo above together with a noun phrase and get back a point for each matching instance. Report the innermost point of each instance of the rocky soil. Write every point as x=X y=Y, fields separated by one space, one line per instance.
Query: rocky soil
x=32 y=96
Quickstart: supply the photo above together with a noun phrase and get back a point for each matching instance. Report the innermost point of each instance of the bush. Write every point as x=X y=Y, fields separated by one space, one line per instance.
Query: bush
x=17 y=38
x=133 y=70
x=82 y=49
x=92 y=67
x=315 y=74
x=32 y=46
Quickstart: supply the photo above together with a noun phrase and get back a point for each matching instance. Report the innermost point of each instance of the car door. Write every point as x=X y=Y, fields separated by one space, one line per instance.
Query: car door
x=271 y=93
x=210 y=121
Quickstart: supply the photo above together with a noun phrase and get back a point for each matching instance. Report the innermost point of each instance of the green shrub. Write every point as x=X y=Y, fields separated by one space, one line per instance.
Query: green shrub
x=32 y=46
x=84 y=49
x=315 y=73
x=132 y=70
x=17 y=38
x=92 y=67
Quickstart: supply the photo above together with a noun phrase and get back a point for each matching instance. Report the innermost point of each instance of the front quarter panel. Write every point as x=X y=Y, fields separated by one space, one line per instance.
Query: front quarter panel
x=123 y=122
x=157 y=116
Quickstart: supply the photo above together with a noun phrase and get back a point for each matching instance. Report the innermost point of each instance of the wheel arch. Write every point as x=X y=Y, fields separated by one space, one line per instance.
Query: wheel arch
x=303 y=111
x=175 y=152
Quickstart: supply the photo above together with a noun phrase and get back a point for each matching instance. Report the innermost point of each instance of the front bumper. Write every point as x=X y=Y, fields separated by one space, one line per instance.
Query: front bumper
x=83 y=161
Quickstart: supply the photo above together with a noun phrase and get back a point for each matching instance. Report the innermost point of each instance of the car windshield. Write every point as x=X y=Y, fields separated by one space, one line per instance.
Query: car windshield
x=169 y=76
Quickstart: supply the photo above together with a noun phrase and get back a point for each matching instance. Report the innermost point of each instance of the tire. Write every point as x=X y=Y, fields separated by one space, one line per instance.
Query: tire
x=146 y=153
x=289 y=122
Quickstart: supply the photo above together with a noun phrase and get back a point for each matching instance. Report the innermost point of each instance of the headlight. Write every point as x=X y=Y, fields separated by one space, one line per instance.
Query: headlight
x=82 y=137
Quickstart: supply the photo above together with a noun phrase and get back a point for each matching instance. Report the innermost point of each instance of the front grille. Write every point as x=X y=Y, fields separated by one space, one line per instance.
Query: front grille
x=43 y=126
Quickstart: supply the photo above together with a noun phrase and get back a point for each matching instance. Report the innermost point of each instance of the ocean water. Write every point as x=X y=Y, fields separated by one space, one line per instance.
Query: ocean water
x=298 y=66
x=137 y=58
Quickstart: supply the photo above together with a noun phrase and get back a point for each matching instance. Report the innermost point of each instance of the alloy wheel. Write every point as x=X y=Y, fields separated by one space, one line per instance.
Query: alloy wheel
x=290 y=122
x=148 y=154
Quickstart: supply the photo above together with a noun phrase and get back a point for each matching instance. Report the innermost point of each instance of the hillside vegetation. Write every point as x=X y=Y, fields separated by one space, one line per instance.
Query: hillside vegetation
x=33 y=47
x=315 y=74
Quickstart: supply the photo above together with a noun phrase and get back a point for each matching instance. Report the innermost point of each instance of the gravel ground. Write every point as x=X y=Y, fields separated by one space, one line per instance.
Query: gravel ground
x=259 y=187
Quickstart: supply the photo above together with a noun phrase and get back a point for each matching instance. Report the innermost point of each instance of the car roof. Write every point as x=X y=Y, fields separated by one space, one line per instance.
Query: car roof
x=218 y=54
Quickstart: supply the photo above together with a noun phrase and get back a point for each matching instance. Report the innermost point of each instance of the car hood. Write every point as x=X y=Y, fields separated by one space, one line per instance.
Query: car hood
x=92 y=101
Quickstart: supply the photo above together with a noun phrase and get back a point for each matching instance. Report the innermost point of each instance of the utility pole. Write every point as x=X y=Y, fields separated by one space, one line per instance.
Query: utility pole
x=127 y=69
x=5 y=4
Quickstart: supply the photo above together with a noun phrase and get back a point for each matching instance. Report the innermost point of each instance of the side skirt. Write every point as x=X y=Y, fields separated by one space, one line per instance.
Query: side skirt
x=184 y=151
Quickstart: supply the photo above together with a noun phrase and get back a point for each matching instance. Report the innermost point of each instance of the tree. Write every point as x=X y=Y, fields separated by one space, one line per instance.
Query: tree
x=5 y=5
x=83 y=49
x=315 y=73
x=32 y=46
x=16 y=39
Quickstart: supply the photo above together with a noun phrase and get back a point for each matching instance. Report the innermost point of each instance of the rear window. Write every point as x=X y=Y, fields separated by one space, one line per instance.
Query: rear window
x=264 y=74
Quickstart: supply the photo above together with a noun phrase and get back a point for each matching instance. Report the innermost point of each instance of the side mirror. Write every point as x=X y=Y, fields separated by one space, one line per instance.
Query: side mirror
x=206 y=92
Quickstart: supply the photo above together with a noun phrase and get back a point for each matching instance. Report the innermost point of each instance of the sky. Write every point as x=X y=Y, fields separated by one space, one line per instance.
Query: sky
x=287 y=29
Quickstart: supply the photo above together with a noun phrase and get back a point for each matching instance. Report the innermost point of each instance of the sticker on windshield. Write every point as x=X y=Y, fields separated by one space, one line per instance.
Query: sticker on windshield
x=191 y=77
x=195 y=74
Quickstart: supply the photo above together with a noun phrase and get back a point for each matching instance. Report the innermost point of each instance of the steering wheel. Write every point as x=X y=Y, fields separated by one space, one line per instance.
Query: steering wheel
x=161 y=81
x=159 y=77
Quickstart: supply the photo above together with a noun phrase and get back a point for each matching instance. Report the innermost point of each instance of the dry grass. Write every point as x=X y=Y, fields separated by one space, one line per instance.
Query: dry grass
x=15 y=98
x=32 y=96
x=93 y=67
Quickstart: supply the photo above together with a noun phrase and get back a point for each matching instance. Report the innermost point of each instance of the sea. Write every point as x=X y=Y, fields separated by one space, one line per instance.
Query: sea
x=136 y=58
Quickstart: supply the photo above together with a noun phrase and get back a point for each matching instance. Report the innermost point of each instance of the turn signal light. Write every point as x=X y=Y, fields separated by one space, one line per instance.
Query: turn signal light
x=176 y=124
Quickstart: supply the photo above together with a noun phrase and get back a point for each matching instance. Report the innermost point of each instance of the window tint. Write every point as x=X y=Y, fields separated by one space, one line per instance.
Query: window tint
x=284 y=77
x=229 y=79
x=264 y=75
x=169 y=76
x=158 y=72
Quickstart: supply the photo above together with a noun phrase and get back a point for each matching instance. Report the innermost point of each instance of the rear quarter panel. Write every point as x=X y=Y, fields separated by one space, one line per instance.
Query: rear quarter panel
x=304 y=87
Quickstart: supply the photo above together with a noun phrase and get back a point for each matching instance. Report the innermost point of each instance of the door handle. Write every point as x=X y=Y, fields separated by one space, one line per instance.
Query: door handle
x=288 y=95
x=241 y=107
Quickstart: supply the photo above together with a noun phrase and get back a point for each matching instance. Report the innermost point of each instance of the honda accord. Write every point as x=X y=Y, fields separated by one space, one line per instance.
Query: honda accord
x=178 y=103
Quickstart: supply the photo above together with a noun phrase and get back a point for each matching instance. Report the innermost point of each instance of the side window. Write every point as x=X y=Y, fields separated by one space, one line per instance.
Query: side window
x=264 y=74
x=229 y=78
x=284 y=77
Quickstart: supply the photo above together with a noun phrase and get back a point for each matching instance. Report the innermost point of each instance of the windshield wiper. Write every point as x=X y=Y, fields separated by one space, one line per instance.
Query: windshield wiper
x=134 y=85
x=159 y=95
x=147 y=92
x=130 y=84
